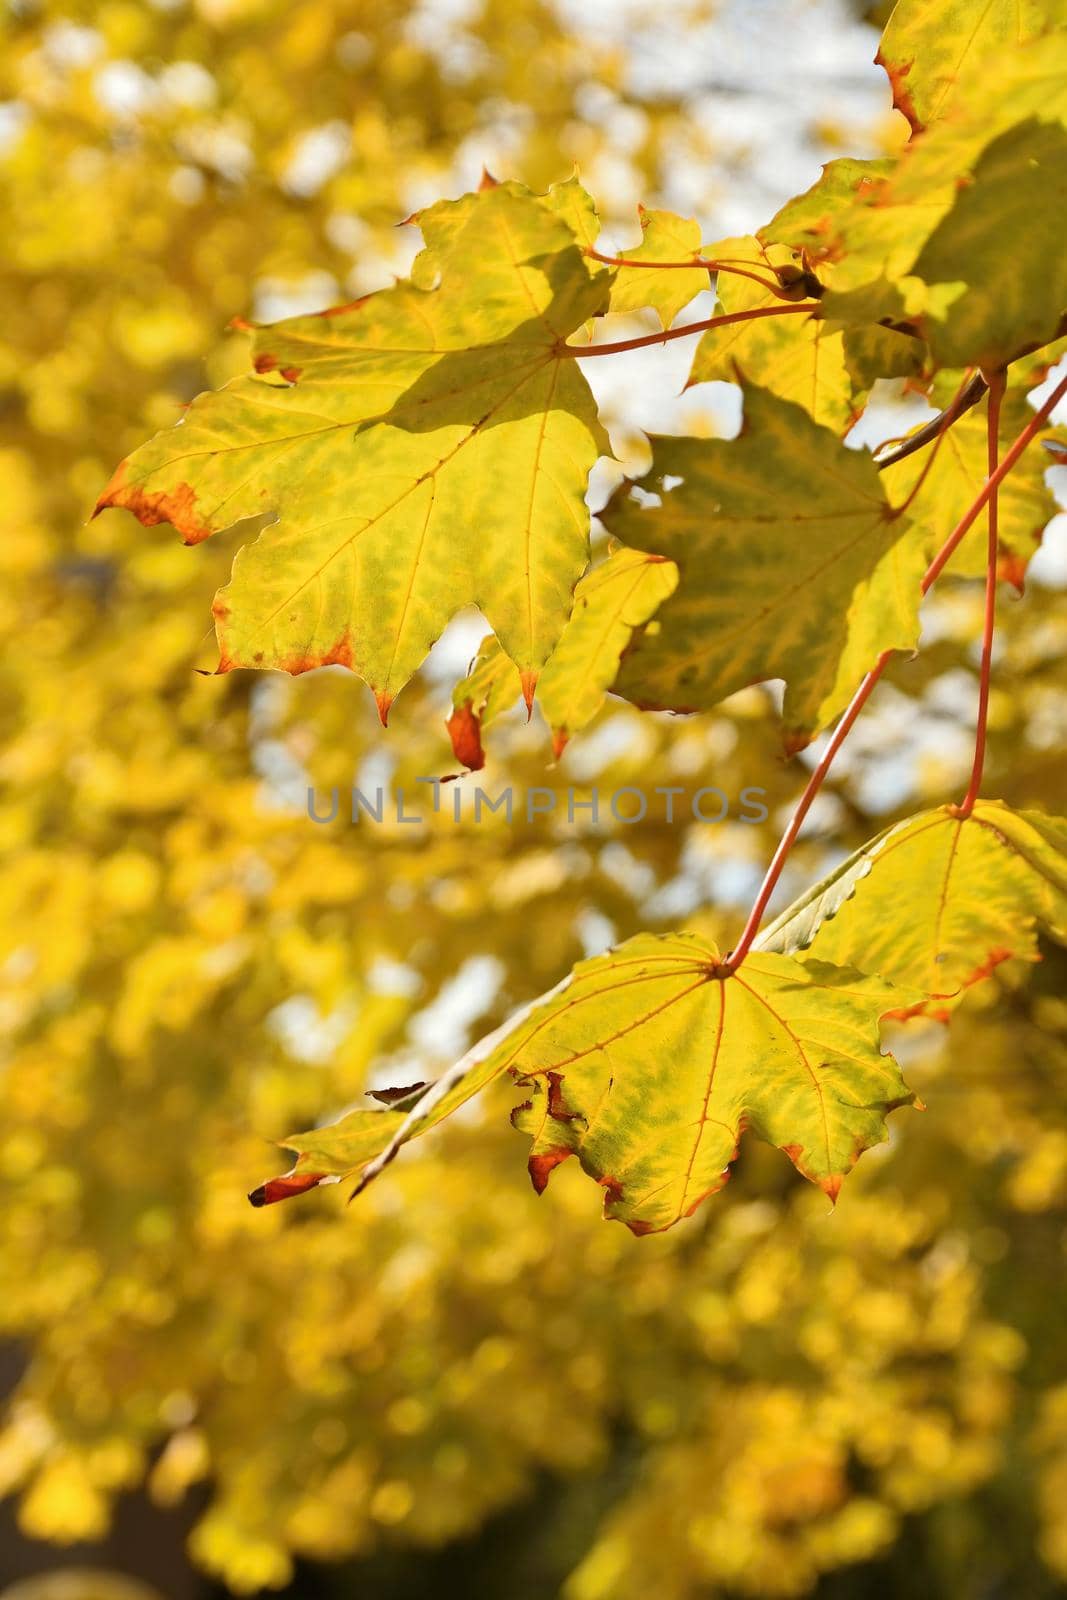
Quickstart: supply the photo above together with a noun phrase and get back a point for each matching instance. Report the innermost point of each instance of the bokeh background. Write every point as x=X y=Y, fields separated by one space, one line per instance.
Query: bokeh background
x=452 y=1388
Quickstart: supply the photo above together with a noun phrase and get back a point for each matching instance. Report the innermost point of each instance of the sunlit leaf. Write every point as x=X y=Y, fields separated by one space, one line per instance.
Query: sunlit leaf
x=1010 y=299
x=341 y=1147
x=810 y=220
x=428 y=449
x=491 y=687
x=923 y=242
x=874 y=352
x=648 y=1065
x=926 y=42
x=610 y=604
x=937 y=901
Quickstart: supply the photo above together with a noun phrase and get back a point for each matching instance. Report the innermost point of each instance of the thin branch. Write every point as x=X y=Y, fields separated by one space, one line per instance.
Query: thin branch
x=950 y=415
x=985 y=496
x=968 y=396
x=657 y=266
x=583 y=352
x=804 y=804
x=705 y=263
x=996 y=394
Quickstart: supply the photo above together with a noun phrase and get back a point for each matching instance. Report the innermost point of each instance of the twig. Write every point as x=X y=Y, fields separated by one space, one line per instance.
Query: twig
x=583 y=352
x=937 y=426
x=996 y=394
x=704 y=263
x=946 y=419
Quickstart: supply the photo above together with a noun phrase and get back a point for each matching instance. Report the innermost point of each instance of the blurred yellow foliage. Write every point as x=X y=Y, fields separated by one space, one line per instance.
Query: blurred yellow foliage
x=190 y=966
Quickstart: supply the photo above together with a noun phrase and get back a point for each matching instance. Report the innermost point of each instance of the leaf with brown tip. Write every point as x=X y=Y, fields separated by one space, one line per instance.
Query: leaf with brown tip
x=431 y=451
x=648 y=1065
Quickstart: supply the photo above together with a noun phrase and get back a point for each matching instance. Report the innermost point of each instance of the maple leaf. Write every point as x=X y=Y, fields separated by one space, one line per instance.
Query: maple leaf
x=648 y=1065
x=804 y=363
x=428 y=450
x=792 y=566
x=927 y=42
x=610 y=603
x=665 y=237
x=938 y=900
x=924 y=241
x=1011 y=300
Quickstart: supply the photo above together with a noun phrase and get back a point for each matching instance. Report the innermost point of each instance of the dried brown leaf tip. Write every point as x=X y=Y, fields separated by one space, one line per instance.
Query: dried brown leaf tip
x=465 y=732
x=176 y=506
x=285 y=1187
x=897 y=73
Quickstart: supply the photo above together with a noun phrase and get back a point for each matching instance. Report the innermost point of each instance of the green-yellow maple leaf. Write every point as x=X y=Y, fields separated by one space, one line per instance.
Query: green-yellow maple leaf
x=616 y=597
x=927 y=43
x=648 y=1065
x=574 y=205
x=937 y=901
x=792 y=566
x=1034 y=368
x=924 y=243
x=428 y=449
x=1029 y=84
x=796 y=358
x=665 y=238
x=1014 y=298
